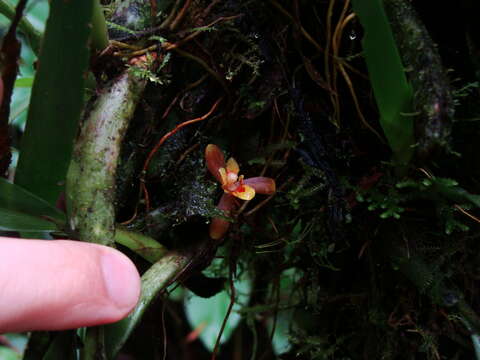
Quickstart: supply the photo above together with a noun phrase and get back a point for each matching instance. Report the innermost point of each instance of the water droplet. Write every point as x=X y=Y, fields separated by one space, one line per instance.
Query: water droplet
x=353 y=35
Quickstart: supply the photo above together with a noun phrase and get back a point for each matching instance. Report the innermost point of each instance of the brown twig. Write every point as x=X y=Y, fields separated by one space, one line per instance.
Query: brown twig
x=346 y=77
x=185 y=154
x=153 y=10
x=465 y=212
x=180 y=15
x=266 y=200
x=209 y=8
x=164 y=138
x=335 y=44
x=300 y=27
x=227 y=315
x=171 y=46
x=166 y=23
x=202 y=63
x=175 y=99
x=137 y=52
x=122 y=45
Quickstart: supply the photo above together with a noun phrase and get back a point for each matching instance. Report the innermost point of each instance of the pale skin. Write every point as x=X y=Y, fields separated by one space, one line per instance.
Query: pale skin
x=63 y=284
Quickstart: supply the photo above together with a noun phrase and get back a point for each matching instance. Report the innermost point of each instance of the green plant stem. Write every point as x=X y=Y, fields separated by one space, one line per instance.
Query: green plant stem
x=91 y=176
x=142 y=245
x=156 y=279
x=33 y=35
x=99 y=27
x=93 y=347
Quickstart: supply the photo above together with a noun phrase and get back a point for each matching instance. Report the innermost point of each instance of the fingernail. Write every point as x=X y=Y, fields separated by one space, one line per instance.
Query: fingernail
x=122 y=280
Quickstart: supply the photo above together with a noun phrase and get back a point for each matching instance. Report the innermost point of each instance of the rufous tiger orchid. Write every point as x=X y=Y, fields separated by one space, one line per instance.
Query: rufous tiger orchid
x=233 y=185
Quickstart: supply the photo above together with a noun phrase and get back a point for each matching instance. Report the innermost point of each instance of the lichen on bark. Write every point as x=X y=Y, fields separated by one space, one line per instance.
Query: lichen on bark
x=91 y=176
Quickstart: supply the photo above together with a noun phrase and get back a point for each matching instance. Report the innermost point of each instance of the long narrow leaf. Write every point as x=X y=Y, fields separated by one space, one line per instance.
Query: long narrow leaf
x=57 y=99
x=62 y=347
x=14 y=197
x=392 y=92
x=12 y=220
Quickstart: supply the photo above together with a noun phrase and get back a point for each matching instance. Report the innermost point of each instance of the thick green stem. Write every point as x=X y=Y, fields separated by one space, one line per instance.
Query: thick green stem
x=154 y=280
x=90 y=188
x=99 y=27
x=33 y=35
x=91 y=176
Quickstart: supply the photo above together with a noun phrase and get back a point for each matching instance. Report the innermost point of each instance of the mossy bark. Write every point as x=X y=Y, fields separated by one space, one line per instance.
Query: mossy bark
x=91 y=176
x=433 y=103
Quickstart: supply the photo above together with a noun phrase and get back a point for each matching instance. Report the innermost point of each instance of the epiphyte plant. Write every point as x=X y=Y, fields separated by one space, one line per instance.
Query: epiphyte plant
x=233 y=185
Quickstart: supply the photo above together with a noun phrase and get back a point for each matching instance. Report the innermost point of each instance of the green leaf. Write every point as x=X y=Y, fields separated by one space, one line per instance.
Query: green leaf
x=57 y=99
x=12 y=220
x=21 y=94
x=17 y=340
x=455 y=193
x=37 y=13
x=21 y=210
x=207 y=315
x=15 y=198
x=62 y=347
x=393 y=93
x=24 y=82
x=38 y=344
x=9 y=354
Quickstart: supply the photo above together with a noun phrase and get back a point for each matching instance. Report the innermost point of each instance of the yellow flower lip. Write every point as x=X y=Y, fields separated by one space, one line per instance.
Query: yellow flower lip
x=232 y=183
x=244 y=192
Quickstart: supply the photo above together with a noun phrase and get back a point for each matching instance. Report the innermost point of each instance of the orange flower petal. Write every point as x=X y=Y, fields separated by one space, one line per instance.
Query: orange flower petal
x=219 y=226
x=223 y=176
x=244 y=192
x=215 y=160
x=232 y=166
x=261 y=185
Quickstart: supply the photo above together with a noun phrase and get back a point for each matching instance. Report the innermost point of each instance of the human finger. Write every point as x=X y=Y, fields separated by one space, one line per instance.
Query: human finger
x=63 y=284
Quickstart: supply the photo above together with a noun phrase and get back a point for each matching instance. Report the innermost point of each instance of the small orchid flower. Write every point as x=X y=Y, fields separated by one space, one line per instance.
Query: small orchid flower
x=233 y=185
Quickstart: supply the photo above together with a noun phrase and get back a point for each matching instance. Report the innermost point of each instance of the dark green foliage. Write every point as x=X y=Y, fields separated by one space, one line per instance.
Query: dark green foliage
x=57 y=100
x=354 y=260
x=360 y=254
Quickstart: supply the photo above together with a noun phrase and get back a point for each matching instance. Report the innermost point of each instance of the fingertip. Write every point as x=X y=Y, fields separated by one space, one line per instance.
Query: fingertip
x=122 y=281
x=63 y=284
